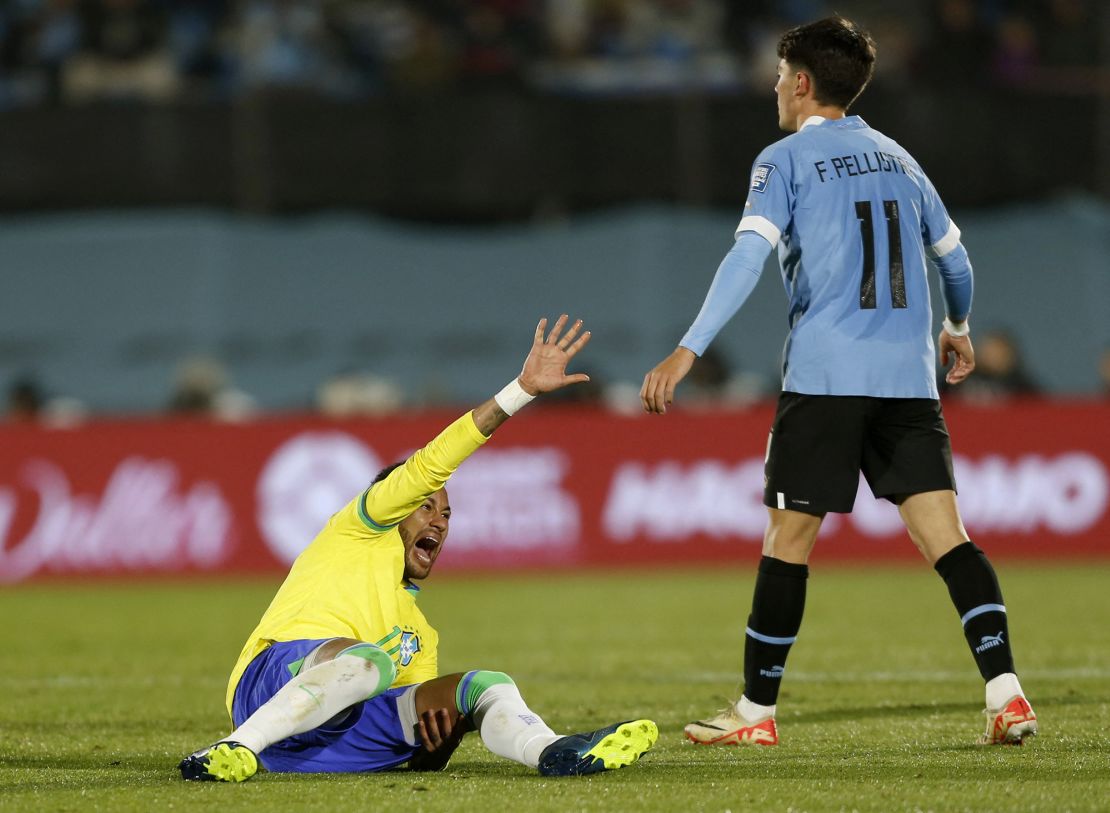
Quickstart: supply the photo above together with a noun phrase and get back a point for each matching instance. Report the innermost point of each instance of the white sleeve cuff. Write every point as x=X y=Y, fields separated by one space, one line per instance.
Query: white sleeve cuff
x=945 y=244
x=761 y=226
x=956 y=329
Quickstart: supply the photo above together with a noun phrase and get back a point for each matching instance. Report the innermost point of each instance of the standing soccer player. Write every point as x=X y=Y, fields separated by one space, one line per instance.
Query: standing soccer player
x=853 y=217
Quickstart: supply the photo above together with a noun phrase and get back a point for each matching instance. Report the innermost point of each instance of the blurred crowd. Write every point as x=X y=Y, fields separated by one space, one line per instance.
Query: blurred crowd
x=71 y=52
x=203 y=388
x=78 y=51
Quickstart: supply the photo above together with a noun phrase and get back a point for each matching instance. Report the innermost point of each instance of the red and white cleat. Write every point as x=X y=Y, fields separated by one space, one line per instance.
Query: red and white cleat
x=1011 y=724
x=729 y=728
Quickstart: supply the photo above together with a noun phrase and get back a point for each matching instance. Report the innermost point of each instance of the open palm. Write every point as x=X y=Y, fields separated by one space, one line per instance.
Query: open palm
x=545 y=369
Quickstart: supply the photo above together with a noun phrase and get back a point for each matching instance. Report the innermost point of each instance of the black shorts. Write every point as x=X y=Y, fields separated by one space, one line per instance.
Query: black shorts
x=820 y=443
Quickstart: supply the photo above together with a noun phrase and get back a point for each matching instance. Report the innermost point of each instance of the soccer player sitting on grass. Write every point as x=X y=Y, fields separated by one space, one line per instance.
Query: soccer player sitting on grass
x=854 y=217
x=341 y=675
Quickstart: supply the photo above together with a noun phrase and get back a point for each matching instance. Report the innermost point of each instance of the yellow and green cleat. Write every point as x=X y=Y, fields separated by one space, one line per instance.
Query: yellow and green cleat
x=223 y=762
x=606 y=749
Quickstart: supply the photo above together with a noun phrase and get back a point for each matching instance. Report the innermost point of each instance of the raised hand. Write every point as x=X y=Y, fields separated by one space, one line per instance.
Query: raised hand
x=545 y=369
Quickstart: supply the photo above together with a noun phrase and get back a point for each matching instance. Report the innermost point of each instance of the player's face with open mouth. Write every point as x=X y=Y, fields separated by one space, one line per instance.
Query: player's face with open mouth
x=423 y=533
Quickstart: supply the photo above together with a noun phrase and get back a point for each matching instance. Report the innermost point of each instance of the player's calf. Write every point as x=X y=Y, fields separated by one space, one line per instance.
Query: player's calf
x=308 y=700
x=494 y=707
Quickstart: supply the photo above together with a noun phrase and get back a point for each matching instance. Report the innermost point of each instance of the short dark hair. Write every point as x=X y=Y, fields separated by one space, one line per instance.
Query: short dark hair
x=385 y=472
x=838 y=55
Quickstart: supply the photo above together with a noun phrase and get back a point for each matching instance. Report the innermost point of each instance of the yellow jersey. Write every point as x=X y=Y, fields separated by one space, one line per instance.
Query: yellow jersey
x=349 y=582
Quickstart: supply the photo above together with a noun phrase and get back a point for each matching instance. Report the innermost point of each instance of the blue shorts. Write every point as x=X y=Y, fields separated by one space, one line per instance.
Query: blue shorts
x=371 y=738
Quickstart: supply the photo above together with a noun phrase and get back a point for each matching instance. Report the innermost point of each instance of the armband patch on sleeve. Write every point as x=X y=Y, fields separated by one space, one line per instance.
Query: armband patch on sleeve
x=761 y=175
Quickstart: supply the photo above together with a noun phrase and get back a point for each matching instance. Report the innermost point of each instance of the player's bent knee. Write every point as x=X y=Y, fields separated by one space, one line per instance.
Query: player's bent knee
x=379 y=679
x=473 y=685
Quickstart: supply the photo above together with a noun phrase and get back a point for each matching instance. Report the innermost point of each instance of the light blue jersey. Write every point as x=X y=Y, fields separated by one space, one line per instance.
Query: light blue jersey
x=853 y=217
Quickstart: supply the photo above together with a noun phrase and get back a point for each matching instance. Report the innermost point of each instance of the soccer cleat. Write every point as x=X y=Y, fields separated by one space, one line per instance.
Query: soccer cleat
x=606 y=749
x=1011 y=724
x=223 y=762
x=729 y=728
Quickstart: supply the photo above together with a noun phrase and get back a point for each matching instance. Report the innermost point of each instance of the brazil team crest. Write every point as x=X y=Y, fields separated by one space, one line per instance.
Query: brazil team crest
x=410 y=645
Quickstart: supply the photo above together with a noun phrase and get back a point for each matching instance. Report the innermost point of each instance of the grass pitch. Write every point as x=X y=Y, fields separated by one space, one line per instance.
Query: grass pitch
x=105 y=688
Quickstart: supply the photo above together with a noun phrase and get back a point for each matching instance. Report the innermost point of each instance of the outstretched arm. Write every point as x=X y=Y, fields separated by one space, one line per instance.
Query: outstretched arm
x=399 y=494
x=545 y=370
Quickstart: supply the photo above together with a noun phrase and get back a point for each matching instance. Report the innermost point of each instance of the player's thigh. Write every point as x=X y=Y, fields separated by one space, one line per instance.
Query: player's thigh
x=814 y=453
x=907 y=449
x=439 y=693
x=458 y=692
x=381 y=733
x=442 y=693
x=328 y=651
x=269 y=672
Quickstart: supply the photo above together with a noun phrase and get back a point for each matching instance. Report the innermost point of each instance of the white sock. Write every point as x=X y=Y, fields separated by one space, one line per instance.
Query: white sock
x=753 y=712
x=309 y=700
x=509 y=728
x=1001 y=689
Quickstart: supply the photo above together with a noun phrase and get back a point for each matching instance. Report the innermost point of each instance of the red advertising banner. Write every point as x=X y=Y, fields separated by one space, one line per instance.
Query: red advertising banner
x=555 y=487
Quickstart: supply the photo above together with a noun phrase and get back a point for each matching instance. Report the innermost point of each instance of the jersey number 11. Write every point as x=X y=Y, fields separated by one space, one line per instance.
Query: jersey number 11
x=894 y=242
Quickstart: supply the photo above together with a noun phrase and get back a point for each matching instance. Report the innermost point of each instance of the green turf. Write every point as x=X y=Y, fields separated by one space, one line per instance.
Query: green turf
x=105 y=688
